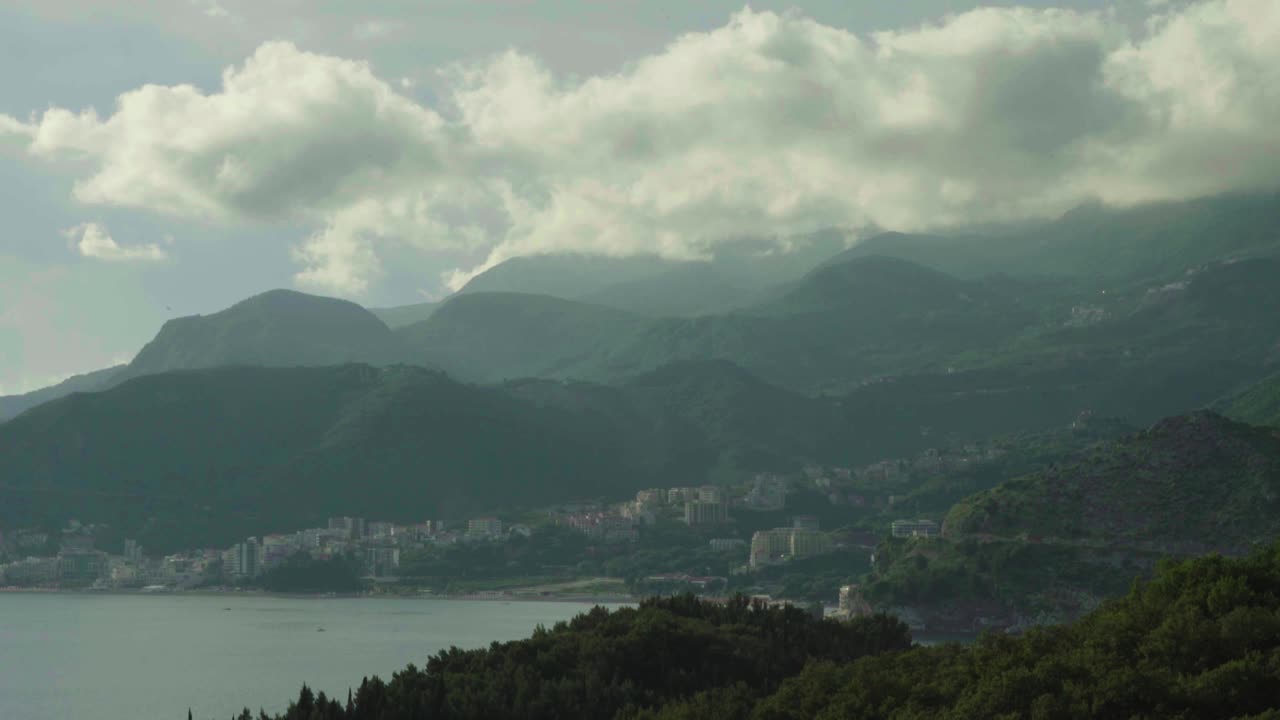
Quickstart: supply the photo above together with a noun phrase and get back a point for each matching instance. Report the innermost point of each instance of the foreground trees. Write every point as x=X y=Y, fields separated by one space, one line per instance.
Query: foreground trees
x=1202 y=640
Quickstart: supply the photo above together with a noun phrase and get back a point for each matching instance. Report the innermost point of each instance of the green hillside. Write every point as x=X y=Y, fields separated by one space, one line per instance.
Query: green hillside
x=490 y=337
x=203 y=457
x=12 y=405
x=1259 y=405
x=194 y=457
x=1189 y=483
x=1201 y=640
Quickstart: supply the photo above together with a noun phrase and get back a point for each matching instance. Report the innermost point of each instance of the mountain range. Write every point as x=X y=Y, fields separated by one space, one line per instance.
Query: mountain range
x=596 y=376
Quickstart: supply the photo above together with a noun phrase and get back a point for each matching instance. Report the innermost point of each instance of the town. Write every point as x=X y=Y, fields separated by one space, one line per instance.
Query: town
x=754 y=535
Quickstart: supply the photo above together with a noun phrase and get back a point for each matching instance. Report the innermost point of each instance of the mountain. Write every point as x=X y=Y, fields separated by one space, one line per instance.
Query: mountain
x=489 y=337
x=707 y=420
x=1098 y=244
x=280 y=328
x=402 y=315
x=1259 y=405
x=836 y=328
x=1193 y=481
x=13 y=405
x=738 y=273
x=190 y=458
x=687 y=290
x=193 y=458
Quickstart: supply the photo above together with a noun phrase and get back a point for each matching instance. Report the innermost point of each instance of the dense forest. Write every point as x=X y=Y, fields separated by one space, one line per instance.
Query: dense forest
x=1200 y=640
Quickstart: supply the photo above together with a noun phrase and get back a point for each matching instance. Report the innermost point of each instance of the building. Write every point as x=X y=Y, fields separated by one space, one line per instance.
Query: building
x=852 y=604
x=32 y=571
x=650 y=499
x=485 y=527
x=782 y=544
x=353 y=526
x=712 y=494
x=805 y=522
x=678 y=496
x=608 y=527
x=697 y=512
x=133 y=552
x=721 y=544
x=278 y=548
x=81 y=567
x=915 y=529
x=243 y=560
x=380 y=530
x=770 y=546
x=807 y=543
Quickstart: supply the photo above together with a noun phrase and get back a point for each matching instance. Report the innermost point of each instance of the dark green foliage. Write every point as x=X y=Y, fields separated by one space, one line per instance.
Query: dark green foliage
x=302 y=574
x=1200 y=641
x=1259 y=405
x=606 y=664
x=1189 y=483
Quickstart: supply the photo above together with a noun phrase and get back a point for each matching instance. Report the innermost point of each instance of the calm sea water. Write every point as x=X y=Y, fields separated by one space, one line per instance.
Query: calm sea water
x=150 y=657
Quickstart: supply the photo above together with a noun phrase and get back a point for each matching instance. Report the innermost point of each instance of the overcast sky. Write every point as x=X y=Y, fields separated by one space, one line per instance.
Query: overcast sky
x=166 y=158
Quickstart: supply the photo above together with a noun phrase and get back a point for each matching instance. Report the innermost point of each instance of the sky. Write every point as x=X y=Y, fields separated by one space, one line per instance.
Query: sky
x=169 y=157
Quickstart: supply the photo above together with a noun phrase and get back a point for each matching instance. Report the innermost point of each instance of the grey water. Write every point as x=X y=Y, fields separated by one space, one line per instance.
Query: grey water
x=151 y=657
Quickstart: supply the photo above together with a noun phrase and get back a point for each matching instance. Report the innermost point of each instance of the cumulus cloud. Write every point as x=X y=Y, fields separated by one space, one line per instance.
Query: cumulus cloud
x=772 y=124
x=93 y=241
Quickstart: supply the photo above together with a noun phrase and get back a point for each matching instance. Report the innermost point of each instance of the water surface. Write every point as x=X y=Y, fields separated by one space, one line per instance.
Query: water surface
x=145 y=657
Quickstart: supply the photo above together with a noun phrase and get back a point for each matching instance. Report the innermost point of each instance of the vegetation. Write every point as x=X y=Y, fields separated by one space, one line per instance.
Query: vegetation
x=606 y=664
x=302 y=574
x=1200 y=640
x=1259 y=405
x=1190 y=483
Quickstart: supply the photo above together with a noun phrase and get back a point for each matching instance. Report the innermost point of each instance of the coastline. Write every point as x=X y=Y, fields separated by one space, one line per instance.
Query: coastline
x=582 y=598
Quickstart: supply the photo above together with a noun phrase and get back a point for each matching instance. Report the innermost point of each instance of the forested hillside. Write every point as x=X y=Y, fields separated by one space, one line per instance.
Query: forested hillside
x=1200 y=640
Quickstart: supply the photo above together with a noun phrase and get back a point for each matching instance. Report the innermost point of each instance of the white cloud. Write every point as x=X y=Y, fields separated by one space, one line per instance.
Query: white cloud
x=772 y=124
x=93 y=241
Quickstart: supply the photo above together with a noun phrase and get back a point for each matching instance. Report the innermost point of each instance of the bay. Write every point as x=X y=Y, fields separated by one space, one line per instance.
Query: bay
x=139 y=657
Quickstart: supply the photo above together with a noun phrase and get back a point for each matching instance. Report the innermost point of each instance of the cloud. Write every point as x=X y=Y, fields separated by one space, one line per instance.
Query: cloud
x=93 y=241
x=15 y=133
x=773 y=124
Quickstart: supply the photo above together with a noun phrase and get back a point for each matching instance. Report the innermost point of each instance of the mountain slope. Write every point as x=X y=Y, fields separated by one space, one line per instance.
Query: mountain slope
x=280 y=328
x=1259 y=405
x=402 y=315
x=13 y=405
x=488 y=337
x=1192 y=481
x=190 y=458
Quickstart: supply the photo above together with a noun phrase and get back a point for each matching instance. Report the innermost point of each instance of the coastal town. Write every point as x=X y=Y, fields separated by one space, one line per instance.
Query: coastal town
x=723 y=519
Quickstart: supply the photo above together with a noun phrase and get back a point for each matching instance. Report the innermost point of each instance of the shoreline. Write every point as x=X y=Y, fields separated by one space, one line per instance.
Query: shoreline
x=611 y=599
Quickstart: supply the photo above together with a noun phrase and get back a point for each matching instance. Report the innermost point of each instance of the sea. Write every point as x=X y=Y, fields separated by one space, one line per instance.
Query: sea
x=153 y=657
